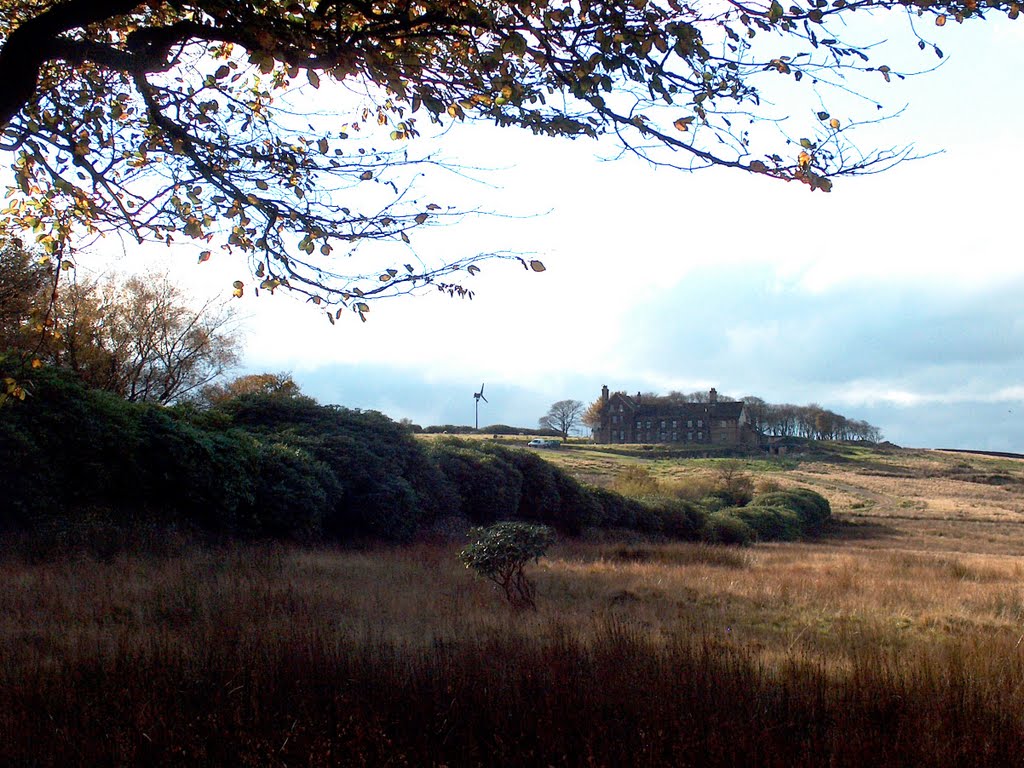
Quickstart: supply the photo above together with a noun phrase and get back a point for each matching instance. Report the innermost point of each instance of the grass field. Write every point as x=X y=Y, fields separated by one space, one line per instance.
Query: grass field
x=896 y=639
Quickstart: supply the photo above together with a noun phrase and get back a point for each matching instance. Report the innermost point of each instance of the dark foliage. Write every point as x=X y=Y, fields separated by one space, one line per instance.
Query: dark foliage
x=488 y=488
x=722 y=527
x=281 y=466
x=811 y=507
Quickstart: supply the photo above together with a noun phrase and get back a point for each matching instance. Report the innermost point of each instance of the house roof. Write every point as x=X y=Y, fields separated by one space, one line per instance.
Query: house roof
x=662 y=408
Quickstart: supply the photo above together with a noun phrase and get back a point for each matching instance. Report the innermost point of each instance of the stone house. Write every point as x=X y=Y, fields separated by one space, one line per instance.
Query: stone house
x=639 y=419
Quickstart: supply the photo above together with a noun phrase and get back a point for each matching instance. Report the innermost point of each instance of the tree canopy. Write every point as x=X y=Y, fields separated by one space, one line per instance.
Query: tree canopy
x=140 y=338
x=171 y=120
x=562 y=417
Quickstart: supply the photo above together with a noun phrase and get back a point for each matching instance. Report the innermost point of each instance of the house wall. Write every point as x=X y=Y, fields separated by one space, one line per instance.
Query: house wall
x=627 y=419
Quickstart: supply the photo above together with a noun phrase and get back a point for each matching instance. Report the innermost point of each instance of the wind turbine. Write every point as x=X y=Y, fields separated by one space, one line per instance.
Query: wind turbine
x=477 y=397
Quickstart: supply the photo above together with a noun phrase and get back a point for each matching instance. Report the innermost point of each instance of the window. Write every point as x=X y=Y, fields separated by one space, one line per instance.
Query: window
x=615 y=419
x=662 y=423
x=620 y=407
x=675 y=437
x=689 y=422
x=689 y=435
x=648 y=424
x=723 y=423
x=700 y=435
x=675 y=423
x=622 y=436
x=700 y=423
x=639 y=424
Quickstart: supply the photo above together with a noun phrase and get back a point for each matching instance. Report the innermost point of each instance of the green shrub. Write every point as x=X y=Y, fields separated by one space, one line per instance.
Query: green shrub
x=770 y=523
x=714 y=502
x=724 y=528
x=578 y=508
x=616 y=511
x=539 y=499
x=290 y=495
x=674 y=518
x=487 y=488
x=812 y=508
x=389 y=486
x=500 y=552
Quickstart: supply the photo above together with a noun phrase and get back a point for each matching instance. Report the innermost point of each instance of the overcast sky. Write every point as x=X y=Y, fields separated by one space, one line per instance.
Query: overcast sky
x=896 y=299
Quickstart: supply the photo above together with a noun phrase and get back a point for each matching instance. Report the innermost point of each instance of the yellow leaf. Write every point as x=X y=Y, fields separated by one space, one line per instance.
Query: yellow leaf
x=37 y=363
x=834 y=124
x=940 y=20
x=804 y=160
x=683 y=123
x=366 y=175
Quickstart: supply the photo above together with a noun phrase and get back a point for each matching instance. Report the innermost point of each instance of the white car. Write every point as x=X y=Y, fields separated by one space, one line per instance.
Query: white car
x=541 y=443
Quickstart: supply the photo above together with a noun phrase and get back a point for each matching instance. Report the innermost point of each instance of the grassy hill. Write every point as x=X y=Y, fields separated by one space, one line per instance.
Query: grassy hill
x=893 y=639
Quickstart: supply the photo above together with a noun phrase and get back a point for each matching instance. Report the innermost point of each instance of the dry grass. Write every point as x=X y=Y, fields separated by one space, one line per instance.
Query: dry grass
x=894 y=640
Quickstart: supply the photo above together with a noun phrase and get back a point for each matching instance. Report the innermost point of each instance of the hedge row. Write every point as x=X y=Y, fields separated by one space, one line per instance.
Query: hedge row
x=777 y=516
x=285 y=467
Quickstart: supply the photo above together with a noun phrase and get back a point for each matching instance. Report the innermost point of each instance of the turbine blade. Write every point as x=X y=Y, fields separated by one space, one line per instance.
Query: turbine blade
x=483 y=398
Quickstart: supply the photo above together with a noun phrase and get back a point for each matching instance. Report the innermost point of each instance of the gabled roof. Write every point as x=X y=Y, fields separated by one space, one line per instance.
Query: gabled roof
x=729 y=409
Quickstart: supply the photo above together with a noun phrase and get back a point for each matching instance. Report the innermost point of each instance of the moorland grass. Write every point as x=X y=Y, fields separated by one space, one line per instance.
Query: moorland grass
x=640 y=654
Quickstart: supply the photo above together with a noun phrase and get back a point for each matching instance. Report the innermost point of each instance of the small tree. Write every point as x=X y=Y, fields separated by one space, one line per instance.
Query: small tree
x=562 y=417
x=141 y=338
x=595 y=411
x=501 y=551
x=269 y=384
x=733 y=484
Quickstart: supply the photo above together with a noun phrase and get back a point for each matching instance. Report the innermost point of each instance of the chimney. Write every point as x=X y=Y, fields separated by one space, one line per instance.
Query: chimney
x=713 y=396
x=604 y=394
